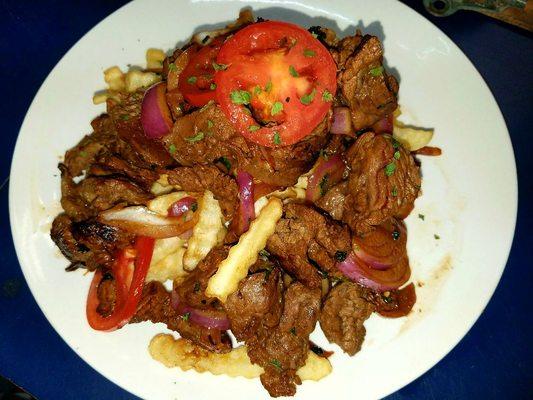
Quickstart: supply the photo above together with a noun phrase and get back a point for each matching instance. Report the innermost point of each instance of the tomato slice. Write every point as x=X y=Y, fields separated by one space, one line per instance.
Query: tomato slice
x=279 y=82
x=128 y=286
x=196 y=82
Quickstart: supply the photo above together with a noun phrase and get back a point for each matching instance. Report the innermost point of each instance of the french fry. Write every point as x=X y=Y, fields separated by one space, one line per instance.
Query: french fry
x=161 y=186
x=167 y=260
x=184 y=354
x=411 y=138
x=161 y=203
x=208 y=232
x=114 y=78
x=241 y=256
x=137 y=79
x=155 y=58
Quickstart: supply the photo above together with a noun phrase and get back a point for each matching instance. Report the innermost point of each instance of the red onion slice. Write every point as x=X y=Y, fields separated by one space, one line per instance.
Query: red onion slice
x=384 y=125
x=246 y=211
x=208 y=319
x=326 y=174
x=342 y=121
x=356 y=270
x=155 y=115
x=180 y=207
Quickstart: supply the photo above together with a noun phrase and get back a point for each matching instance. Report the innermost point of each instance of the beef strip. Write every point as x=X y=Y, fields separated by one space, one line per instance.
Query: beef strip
x=204 y=177
x=380 y=184
x=370 y=93
x=155 y=306
x=280 y=166
x=343 y=314
x=89 y=243
x=304 y=236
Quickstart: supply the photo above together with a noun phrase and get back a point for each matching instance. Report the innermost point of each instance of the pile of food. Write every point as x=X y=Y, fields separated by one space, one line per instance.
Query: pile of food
x=254 y=184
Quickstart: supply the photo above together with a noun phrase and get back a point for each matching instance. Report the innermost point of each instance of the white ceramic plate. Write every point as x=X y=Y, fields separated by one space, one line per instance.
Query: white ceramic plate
x=469 y=195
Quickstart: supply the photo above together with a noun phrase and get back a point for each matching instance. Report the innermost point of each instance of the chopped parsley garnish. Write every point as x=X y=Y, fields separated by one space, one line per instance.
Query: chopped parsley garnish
x=323 y=185
x=394 y=191
x=257 y=90
x=186 y=316
x=277 y=138
x=124 y=117
x=264 y=253
x=240 y=97
x=327 y=96
x=209 y=124
x=226 y=162
x=293 y=331
x=276 y=364
x=195 y=138
x=172 y=67
x=436 y=236
x=83 y=153
x=194 y=207
x=277 y=107
x=422 y=217
x=293 y=71
x=397 y=155
x=395 y=144
x=340 y=255
x=172 y=149
x=309 y=53
x=268 y=86
x=219 y=67
x=192 y=80
x=196 y=286
x=268 y=271
x=253 y=128
x=213 y=86
x=395 y=235
x=376 y=71
x=390 y=168
x=308 y=98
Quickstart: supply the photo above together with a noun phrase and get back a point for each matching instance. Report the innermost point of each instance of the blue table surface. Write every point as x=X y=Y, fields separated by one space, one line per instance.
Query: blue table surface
x=493 y=361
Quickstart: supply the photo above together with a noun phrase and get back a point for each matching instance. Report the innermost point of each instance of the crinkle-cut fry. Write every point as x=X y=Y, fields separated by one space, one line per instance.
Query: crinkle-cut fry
x=183 y=354
x=114 y=77
x=155 y=58
x=241 y=256
x=208 y=232
x=138 y=79
x=411 y=138
x=167 y=260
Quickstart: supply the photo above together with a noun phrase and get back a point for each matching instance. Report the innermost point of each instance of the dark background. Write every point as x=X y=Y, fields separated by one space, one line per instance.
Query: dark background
x=493 y=361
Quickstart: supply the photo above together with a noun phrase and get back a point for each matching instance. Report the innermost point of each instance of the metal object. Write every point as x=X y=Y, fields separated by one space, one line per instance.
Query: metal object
x=516 y=12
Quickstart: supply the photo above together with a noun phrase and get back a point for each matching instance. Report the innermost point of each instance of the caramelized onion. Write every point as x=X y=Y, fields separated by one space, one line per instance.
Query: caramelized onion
x=326 y=174
x=155 y=115
x=141 y=221
x=342 y=121
x=382 y=247
x=384 y=125
x=246 y=211
x=180 y=207
x=358 y=271
x=206 y=318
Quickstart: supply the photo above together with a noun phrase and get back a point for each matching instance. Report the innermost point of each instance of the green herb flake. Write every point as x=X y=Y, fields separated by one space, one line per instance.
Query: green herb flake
x=194 y=207
x=323 y=185
x=254 y=128
x=422 y=217
x=327 y=96
x=264 y=253
x=172 y=149
x=172 y=67
x=395 y=235
x=309 y=53
x=277 y=107
x=268 y=271
x=437 y=237
x=395 y=191
x=226 y=163
x=83 y=153
x=213 y=86
x=397 y=155
x=124 y=117
x=196 y=286
x=340 y=255
x=195 y=138
x=219 y=67
x=390 y=168
x=209 y=124
x=293 y=331
x=268 y=86
x=293 y=71
x=192 y=80
x=308 y=98
x=276 y=364
x=240 y=97
x=257 y=90
x=186 y=316
x=376 y=71
x=277 y=138
x=395 y=144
